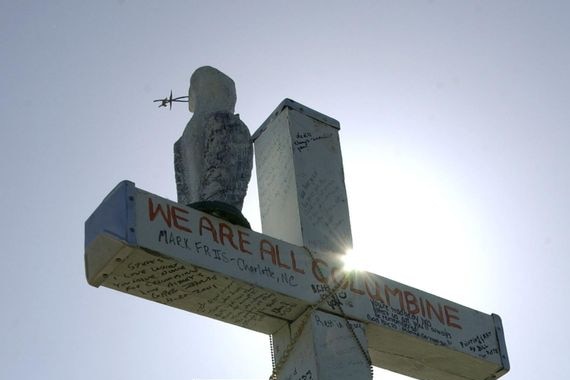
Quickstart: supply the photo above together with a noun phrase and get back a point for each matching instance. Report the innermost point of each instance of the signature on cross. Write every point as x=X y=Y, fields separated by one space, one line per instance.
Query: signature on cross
x=169 y=100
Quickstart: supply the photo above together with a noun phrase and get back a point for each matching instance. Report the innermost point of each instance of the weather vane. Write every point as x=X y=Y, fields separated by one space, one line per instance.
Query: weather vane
x=169 y=100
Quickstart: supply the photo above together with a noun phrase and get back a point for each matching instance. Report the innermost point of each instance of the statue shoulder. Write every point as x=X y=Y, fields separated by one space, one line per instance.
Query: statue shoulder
x=226 y=121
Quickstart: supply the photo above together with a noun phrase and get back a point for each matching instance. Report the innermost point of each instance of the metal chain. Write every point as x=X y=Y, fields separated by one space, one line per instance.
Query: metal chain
x=277 y=366
x=272 y=351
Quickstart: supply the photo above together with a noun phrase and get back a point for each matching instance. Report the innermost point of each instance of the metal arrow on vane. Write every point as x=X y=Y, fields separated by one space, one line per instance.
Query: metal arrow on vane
x=169 y=100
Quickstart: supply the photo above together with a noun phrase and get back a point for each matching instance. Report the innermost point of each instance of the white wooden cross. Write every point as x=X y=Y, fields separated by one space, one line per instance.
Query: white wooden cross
x=289 y=281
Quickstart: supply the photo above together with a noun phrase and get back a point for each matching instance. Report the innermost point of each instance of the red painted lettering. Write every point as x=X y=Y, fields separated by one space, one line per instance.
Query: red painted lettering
x=206 y=225
x=376 y=296
x=242 y=242
x=152 y=212
x=177 y=218
x=294 y=262
x=438 y=313
x=265 y=247
x=317 y=272
x=449 y=316
x=411 y=303
x=394 y=292
x=343 y=281
x=226 y=233
x=352 y=285
x=422 y=307
x=282 y=265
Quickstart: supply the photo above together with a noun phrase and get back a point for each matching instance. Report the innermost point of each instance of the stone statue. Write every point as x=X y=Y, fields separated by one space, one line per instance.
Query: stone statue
x=214 y=156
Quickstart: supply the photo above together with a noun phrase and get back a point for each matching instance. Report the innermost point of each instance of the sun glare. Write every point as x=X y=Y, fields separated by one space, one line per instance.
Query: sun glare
x=353 y=261
x=406 y=219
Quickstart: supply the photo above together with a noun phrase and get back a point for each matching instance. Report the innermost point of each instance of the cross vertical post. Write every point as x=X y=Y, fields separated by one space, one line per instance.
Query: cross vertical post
x=301 y=180
x=303 y=201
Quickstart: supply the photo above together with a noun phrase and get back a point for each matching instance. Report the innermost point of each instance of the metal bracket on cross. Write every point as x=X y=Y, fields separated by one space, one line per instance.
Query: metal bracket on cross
x=142 y=244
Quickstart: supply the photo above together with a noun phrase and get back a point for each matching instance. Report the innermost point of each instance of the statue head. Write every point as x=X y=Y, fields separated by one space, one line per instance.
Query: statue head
x=211 y=91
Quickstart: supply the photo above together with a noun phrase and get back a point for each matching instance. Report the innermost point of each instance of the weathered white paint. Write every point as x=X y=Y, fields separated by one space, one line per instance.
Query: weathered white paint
x=326 y=349
x=163 y=251
x=301 y=180
x=300 y=172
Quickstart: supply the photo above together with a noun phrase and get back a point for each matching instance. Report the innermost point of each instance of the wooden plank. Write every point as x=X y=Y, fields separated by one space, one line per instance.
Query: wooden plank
x=184 y=258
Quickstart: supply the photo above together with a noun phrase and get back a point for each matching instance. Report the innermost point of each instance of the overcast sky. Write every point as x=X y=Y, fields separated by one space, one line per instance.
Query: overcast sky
x=455 y=127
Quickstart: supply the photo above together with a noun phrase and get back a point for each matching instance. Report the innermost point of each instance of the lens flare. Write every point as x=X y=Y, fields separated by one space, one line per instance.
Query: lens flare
x=352 y=261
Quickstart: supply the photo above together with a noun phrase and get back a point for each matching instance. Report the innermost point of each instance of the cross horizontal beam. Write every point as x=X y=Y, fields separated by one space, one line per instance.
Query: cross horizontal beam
x=139 y=243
